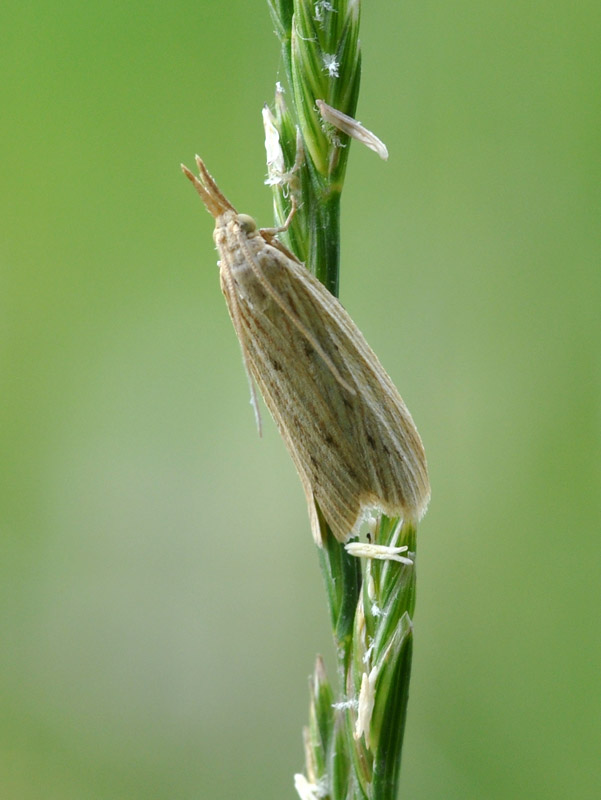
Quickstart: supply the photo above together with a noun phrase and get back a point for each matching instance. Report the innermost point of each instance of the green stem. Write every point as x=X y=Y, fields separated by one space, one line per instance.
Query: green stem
x=325 y=250
x=387 y=766
x=352 y=746
x=343 y=579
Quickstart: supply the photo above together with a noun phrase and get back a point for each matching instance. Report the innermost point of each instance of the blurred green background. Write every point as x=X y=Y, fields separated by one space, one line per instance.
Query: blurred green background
x=160 y=597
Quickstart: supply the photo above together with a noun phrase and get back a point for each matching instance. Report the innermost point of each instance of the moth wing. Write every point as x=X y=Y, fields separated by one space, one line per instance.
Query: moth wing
x=279 y=415
x=383 y=437
x=348 y=432
x=384 y=431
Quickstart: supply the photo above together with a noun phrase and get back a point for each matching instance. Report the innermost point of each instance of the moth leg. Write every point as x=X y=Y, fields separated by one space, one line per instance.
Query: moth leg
x=269 y=233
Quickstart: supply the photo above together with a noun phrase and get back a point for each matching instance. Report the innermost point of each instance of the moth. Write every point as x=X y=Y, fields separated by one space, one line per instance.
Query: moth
x=350 y=436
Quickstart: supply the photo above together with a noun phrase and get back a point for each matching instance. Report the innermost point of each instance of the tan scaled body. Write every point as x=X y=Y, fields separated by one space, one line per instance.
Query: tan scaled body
x=350 y=435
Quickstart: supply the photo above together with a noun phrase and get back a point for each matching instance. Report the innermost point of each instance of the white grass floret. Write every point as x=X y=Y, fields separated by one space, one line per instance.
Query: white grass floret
x=381 y=552
x=306 y=790
x=344 y=705
x=276 y=167
x=367 y=699
x=331 y=64
x=351 y=127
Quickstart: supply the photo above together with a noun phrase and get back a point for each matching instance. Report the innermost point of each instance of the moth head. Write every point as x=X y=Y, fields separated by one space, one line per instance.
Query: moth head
x=247 y=224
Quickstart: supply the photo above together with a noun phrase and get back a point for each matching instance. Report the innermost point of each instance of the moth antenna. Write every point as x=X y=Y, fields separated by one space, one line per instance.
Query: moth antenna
x=295 y=321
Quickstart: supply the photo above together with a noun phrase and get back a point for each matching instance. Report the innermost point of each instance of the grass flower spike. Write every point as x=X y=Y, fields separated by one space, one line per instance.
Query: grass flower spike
x=353 y=742
x=352 y=440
